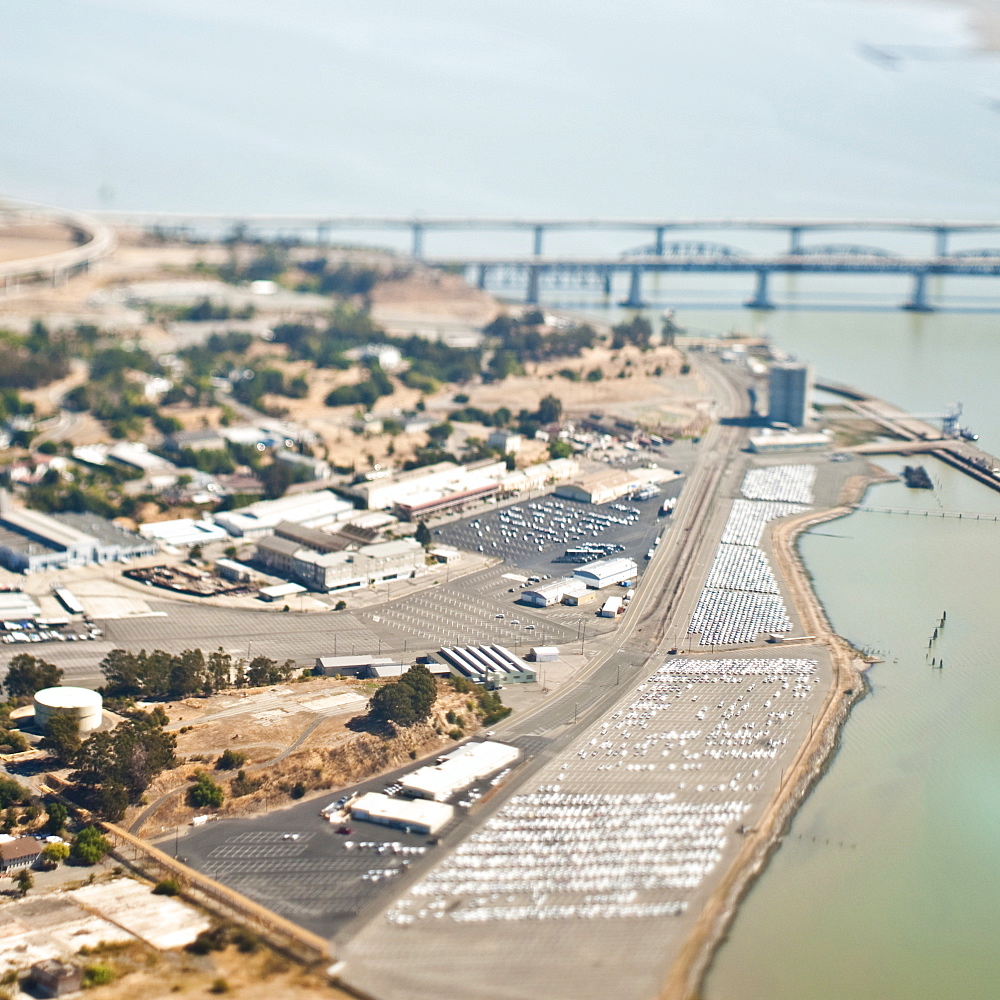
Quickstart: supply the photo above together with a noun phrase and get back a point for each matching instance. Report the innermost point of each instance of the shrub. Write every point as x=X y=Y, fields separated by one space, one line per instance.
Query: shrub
x=219 y=986
x=205 y=792
x=98 y=975
x=166 y=887
x=298 y=790
x=230 y=760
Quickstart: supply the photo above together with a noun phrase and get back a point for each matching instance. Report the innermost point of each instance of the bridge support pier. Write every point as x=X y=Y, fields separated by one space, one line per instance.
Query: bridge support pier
x=658 y=245
x=481 y=276
x=322 y=234
x=941 y=242
x=606 y=281
x=760 y=298
x=634 y=300
x=418 y=239
x=539 y=237
x=918 y=300
x=795 y=241
x=534 y=273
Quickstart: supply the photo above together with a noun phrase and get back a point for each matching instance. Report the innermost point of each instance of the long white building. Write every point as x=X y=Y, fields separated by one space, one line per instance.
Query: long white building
x=261 y=518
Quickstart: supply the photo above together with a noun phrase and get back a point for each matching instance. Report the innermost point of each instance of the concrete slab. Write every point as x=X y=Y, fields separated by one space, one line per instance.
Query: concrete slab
x=160 y=921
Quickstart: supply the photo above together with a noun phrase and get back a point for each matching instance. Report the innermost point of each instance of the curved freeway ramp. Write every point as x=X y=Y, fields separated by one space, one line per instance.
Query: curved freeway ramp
x=96 y=240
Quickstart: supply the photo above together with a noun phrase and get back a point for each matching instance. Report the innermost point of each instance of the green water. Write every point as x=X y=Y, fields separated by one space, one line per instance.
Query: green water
x=887 y=883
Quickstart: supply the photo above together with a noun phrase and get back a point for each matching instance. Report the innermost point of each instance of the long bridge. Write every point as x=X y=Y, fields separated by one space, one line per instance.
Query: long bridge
x=670 y=245
x=677 y=244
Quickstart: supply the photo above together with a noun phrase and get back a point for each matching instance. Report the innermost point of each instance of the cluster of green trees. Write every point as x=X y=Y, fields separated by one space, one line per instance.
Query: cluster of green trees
x=325 y=346
x=203 y=311
x=268 y=263
x=364 y=393
x=523 y=338
x=491 y=708
x=638 y=331
x=342 y=280
x=114 y=768
x=268 y=381
x=27 y=674
x=33 y=360
x=406 y=701
x=178 y=675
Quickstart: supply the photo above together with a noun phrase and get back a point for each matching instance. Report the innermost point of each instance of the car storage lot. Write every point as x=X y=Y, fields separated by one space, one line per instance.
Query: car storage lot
x=294 y=862
x=532 y=536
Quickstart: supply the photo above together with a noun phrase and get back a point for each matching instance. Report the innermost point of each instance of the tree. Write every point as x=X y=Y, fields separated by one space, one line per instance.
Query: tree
x=205 y=793
x=62 y=737
x=24 y=881
x=11 y=792
x=55 y=853
x=393 y=703
x=27 y=674
x=423 y=534
x=89 y=846
x=118 y=766
x=549 y=410
x=560 y=449
x=58 y=814
x=406 y=701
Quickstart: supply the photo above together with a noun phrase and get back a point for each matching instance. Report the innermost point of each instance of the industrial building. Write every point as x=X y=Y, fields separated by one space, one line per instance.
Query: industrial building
x=607 y=572
x=789 y=394
x=546 y=594
x=183 y=532
x=770 y=441
x=369 y=566
x=544 y=654
x=611 y=607
x=600 y=487
x=412 y=815
x=534 y=477
x=16 y=606
x=459 y=769
x=420 y=492
x=310 y=509
x=491 y=666
x=31 y=541
x=82 y=705
x=357 y=666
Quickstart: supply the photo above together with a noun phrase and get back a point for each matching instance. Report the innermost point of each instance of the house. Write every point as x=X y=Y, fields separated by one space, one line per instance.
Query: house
x=20 y=853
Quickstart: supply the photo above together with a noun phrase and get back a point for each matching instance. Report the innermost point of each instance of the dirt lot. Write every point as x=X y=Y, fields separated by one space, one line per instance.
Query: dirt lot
x=268 y=726
x=263 y=975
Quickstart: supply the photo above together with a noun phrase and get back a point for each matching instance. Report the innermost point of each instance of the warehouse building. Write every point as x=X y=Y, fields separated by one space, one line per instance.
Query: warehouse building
x=432 y=489
x=544 y=654
x=411 y=815
x=364 y=666
x=31 y=541
x=183 y=532
x=491 y=666
x=544 y=595
x=310 y=509
x=600 y=487
x=607 y=572
x=459 y=769
x=369 y=566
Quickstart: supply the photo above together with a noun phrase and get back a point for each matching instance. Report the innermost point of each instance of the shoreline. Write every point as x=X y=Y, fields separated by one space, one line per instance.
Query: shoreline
x=849 y=684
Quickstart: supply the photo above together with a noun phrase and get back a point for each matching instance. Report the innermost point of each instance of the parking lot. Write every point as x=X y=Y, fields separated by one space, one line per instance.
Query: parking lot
x=296 y=863
x=532 y=537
